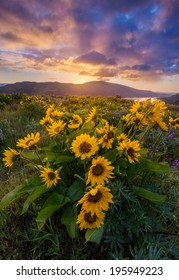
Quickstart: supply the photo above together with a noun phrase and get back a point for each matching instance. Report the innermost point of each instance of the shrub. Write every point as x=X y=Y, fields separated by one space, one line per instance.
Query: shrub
x=100 y=181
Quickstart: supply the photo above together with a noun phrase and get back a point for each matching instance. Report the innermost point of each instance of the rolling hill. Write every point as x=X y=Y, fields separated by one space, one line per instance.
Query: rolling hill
x=174 y=99
x=97 y=88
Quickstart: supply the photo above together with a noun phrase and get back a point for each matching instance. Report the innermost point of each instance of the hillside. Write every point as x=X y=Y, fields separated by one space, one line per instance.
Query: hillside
x=174 y=99
x=98 y=88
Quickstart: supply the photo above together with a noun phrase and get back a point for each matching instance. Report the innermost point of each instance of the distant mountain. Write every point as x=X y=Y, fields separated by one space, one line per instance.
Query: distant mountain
x=97 y=88
x=174 y=99
x=1 y=85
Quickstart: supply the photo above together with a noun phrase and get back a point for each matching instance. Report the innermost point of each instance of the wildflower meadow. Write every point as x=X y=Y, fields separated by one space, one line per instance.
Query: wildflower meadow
x=88 y=178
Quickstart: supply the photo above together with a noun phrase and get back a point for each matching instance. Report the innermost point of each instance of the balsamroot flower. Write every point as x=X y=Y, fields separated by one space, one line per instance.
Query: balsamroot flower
x=9 y=157
x=96 y=200
x=108 y=133
x=91 y=115
x=46 y=121
x=55 y=128
x=174 y=123
x=122 y=137
x=86 y=220
x=100 y=171
x=29 y=142
x=84 y=146
x=75 y=122
x=130 y=150
x=49 y=177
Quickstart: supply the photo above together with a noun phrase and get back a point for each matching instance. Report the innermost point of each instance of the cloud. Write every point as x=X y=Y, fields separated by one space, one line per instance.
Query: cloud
x=95 y=58
x=106 y=72
x=141 y=67
x=134 y=40
x=9 y=36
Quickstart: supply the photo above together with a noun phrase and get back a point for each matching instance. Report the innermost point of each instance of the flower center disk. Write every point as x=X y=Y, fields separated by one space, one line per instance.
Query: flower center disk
x=85 y=147
x=130 y=152
x=90 y=219
x=110 y=135
x=95 y=198
x=97 y=170
x=51 y=175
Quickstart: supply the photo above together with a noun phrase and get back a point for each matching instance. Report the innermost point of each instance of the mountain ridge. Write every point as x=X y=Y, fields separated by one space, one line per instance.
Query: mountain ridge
x=93 y=88
x=174 y=99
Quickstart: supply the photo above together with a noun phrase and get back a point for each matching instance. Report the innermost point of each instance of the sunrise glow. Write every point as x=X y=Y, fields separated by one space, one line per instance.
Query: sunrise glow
x=134 y=43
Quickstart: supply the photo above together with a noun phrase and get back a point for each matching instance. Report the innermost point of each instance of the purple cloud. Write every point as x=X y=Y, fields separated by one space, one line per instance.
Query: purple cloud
x=95 y=58
x=141 y=67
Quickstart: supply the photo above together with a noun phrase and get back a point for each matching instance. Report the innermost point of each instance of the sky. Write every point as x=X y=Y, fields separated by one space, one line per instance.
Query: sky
x=130 y=42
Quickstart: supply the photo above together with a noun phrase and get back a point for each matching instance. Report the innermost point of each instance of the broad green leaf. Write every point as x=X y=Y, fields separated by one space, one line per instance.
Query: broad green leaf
x=151 y=196
x=88 y=126
x=14 y=194
x=37 y=192
x=144 y=152
x=81 y=112
x=54 y=198
x=69 y=218
x=67 y=114
x=94 y=235
x=50 y=155
x=54 y=202
x=52 y=152
x=156 y=167
x=35 y=180
x=76 y=190
x=63 y=158
x=111 y=155
x=30 y=155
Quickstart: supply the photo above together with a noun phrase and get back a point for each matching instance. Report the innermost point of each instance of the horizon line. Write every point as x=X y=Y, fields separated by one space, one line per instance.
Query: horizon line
x=108 y=82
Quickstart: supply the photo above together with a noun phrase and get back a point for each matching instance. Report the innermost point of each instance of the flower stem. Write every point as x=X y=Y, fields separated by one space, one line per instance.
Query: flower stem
x=28 y=160
x=39 y=157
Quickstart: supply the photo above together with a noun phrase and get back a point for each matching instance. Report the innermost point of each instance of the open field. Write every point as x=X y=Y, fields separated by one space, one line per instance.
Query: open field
x=88 y=178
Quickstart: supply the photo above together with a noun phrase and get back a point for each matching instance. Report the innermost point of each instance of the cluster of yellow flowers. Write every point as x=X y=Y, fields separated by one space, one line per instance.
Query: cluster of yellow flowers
x=30 y=141
x=174 y=122
x=147 y=113
x=88 y=148
x=94 y=202
x=33 y=98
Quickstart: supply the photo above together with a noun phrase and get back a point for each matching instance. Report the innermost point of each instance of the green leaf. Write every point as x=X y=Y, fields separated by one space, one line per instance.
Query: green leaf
x=144 y=152
x=157 y=167
x=67 y=114
x=94 y=235
x=55 y=198
x=87 y=126
x=119 y=129
x=69 y=218
x=30 y=155
x=81 y=112
x=54 y=202
x=37 y=192
x=76 y=190
x=52 y=151
x=151 y=196
x=117 y=170
x=111 y=155
x=14 y=194
x=64 y=158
